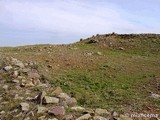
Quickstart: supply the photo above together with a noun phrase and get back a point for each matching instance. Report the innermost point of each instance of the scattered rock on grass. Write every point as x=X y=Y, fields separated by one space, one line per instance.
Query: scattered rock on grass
x=57 y=91
x=77 y=108
x=15 y=73
x=52 y=100
x=122 y=117
x=64 y=96
x=121 y=48
x=57 y=111
x=15 y=81
x=17 y=97
x=2 y=112
x=84 y=117
x=71 y=102
x=99 y=118
x=53 y=119
x=27 y=118
x=5 y=87
x=100 y=111
x=99 y=53
x=68 y=117
x=42 y=118
x=115 y=114
x=41 y=109
x=24 y=106
x=156 y=96
x=7 y=68
x=29 y=84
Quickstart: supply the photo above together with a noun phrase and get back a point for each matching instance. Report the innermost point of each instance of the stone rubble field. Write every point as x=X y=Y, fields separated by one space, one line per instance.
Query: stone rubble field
x=23 y=96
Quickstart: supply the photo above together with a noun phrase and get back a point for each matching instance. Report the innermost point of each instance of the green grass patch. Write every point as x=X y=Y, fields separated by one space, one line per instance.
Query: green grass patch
x=96 y=90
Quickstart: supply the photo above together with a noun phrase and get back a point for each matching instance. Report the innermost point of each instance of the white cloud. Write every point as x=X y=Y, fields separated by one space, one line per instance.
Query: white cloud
x=65 y=16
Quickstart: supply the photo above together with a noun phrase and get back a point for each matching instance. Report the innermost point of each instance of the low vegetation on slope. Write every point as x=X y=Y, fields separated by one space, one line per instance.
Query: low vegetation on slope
x=112 y=71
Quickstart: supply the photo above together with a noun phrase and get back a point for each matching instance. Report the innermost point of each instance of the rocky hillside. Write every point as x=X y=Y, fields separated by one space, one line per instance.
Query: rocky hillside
x=104 y=77
x=25 y=95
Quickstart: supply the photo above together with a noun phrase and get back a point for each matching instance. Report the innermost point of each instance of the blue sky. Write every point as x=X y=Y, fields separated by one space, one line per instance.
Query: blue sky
x=24 y=22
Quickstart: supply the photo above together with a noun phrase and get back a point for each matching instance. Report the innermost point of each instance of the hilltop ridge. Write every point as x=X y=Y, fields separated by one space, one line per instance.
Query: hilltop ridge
x=132 y=43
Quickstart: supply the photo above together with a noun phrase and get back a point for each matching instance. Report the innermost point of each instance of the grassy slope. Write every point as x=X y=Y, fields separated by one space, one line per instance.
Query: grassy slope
x=117 y=79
